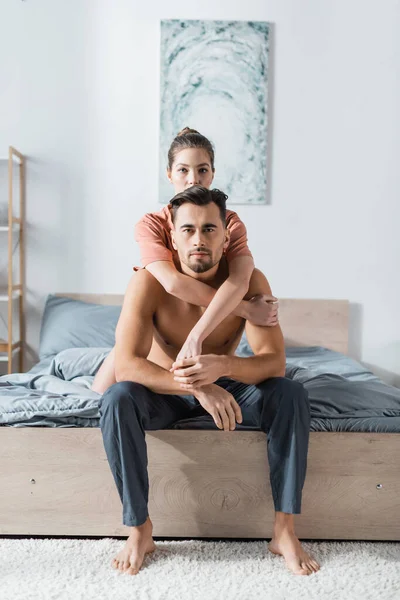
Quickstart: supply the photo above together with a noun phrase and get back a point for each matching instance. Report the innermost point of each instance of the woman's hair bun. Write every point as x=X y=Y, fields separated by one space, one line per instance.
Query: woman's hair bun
x=189 y=138
x=186 y=130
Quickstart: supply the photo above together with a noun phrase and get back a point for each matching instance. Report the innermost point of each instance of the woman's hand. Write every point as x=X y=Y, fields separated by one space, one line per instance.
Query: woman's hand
x=191 y=347
x=262 y=310
x=198 y=371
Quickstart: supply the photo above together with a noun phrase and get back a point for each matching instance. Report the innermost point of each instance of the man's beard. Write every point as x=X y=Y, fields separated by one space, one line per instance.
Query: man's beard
x=200 y=266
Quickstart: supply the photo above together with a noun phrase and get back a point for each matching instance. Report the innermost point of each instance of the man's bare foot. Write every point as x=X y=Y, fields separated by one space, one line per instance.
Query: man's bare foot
x=286 y=544
x=139 y=543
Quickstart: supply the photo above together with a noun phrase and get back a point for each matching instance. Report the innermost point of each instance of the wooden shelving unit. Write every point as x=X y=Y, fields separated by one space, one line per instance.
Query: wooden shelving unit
x=14 y=291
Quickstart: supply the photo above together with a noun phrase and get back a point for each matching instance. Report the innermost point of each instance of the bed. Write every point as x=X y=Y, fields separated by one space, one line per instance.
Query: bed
x=204 y=483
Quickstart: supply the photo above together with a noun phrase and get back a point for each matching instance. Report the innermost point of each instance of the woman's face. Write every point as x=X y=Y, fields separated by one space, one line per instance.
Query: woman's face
x=191 y=166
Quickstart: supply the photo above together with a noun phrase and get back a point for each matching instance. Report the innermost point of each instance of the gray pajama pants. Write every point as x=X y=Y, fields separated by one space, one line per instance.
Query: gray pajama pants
x=278 y=406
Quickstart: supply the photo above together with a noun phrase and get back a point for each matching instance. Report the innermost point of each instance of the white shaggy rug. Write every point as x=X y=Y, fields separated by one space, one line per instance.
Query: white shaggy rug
x=75 y=569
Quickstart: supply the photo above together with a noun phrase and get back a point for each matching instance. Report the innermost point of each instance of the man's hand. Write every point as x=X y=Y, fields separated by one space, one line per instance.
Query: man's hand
x=195 y=372
x=221 y=405
x=262 y=310
x=191 y=347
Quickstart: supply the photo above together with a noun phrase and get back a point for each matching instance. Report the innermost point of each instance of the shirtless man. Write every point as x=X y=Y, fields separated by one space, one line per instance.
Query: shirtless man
x=152 y=391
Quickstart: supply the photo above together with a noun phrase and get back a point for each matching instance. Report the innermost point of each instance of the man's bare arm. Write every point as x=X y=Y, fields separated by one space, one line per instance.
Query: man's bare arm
x=266 y=342
x=134 y=336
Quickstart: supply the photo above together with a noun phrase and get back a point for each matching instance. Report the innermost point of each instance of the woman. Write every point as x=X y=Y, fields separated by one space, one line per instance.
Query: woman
x=191 y=162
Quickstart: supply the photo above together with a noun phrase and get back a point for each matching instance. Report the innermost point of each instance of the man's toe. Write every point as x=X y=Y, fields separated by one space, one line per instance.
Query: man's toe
x=305 y=568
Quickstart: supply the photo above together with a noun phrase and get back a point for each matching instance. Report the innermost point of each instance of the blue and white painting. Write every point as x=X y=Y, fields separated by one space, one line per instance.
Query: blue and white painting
x=214 y=77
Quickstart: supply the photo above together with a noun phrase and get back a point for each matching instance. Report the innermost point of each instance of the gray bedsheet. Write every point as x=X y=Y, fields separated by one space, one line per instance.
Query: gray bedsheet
x=344 y=396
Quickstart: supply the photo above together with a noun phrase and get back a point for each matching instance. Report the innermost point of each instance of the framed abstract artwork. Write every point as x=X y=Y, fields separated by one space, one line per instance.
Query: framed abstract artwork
x=214 y=78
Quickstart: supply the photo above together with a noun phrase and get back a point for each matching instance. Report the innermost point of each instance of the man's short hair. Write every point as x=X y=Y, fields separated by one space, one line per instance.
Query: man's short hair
x=201 y=196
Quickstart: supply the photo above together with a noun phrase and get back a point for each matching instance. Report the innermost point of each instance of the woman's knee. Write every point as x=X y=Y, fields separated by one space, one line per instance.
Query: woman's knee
x=105 y=376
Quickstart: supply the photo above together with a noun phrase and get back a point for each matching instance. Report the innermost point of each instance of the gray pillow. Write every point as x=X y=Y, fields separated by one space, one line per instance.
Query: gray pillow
x=69 y=323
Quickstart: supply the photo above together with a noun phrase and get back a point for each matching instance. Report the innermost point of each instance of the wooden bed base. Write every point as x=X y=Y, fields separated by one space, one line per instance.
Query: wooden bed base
x=213 y=484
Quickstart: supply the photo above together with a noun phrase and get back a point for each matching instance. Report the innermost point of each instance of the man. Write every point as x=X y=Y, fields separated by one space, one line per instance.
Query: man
x=151 y=388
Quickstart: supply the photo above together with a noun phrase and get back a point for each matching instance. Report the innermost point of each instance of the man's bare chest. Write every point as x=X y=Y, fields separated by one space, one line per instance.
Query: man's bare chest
x=174 y=319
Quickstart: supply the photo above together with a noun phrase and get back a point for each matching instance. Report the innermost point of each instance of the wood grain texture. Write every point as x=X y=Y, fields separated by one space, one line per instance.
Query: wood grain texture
x=202 y=484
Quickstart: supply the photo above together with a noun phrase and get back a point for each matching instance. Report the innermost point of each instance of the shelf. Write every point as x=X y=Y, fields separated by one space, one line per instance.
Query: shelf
x=15 y=159
x=4 y=348
x=15 y=227
x=4 y=295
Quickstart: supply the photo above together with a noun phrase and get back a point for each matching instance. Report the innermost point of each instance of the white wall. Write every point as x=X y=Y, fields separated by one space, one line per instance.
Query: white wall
x=79 y=94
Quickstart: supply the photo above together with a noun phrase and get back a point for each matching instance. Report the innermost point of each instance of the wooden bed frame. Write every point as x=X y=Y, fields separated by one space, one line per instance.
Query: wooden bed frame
x=212 y=484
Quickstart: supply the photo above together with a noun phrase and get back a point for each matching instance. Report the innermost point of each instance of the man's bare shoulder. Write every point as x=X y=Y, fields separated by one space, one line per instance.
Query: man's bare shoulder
x=143 y=285
x=258 y=285
x=144 y=277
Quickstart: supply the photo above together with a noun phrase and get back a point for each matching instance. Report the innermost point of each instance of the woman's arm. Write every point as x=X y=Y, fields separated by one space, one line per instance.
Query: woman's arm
x=188 y=289
x=221 y=303
x=226 y=299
